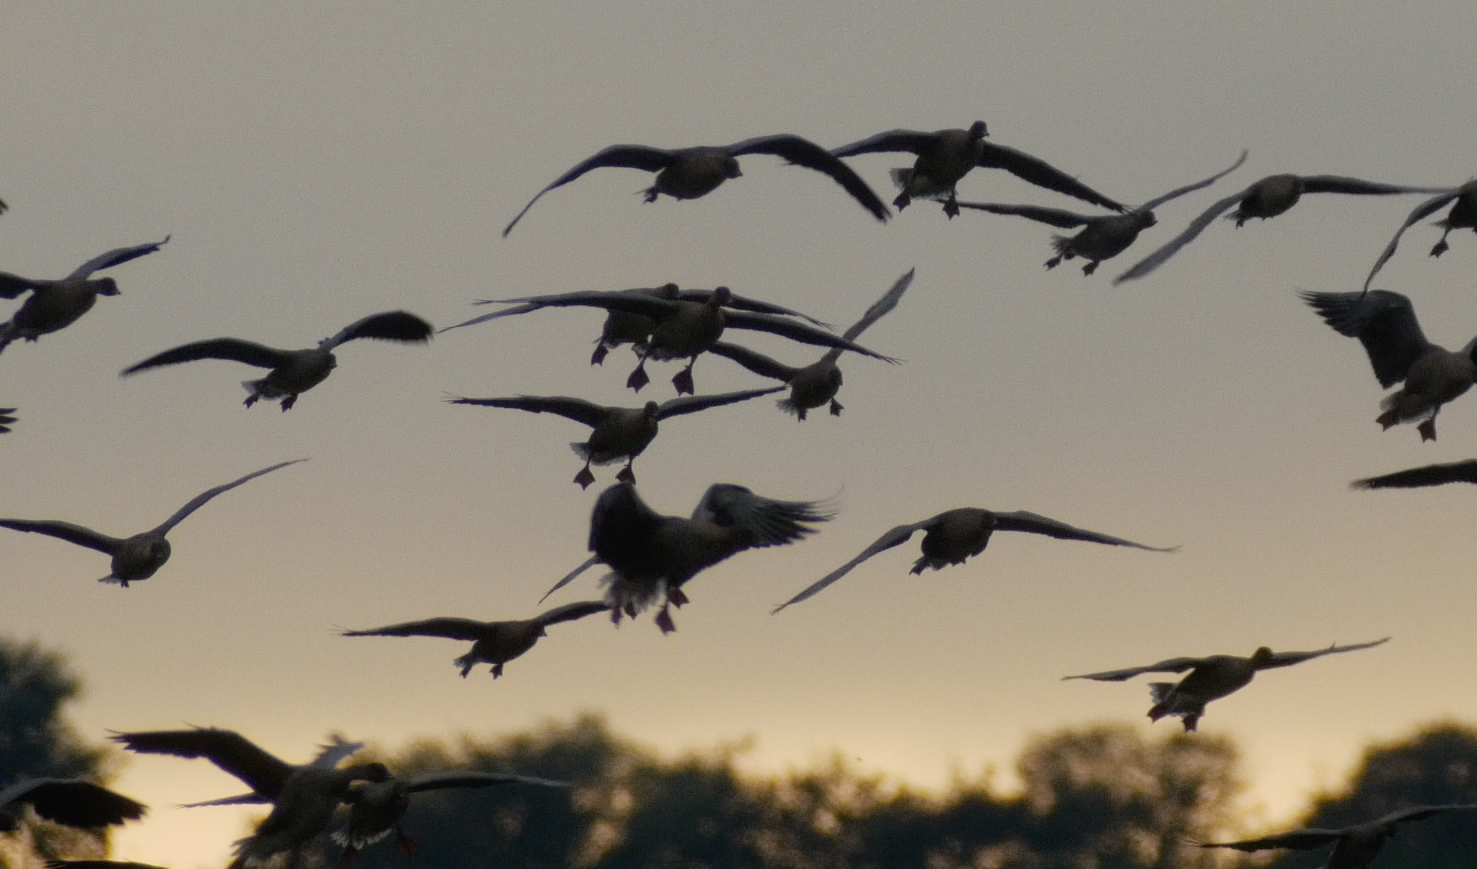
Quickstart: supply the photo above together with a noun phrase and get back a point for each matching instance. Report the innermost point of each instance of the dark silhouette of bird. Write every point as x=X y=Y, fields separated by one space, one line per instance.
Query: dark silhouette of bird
x=71 y=802
x=293 y=371
x=54 y=305
x=140 y=556
x=1210 y=678
x=688 y=173
x=1463 y=215
x=1353 y=847
x=946 y=156
x=1429 y=475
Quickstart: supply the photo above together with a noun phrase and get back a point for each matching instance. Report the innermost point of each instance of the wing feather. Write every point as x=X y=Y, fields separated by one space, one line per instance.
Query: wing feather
x=1287 y=659
x=1053 y=216
x=450 y=628
x=1033 y=523
x=803 y=152
x=695 y=403
x=616 y=156
x=1384 y=322
x=1421 y=212
x=1189 y=234
x=387 y=326
x=1168 y=665
x=1430 y=475
x=1041 y=173
x=226 y=749
x=892 y=538
x=199 y=500
x=65 y=531
x=116 y=256
x=577 y=409
x=230 y=349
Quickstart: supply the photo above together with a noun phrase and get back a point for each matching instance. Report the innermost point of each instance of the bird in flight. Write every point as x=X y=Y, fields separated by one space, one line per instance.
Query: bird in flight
x=1353 y=847
x=54 y=305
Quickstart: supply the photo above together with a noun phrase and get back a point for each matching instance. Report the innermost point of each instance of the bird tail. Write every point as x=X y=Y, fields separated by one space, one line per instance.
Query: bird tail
x=907 y=182
x=1062 y=244
x=584 y=451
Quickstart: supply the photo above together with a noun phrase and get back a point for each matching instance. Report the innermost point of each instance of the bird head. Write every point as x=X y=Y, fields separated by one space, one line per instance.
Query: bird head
x=105 y=287
x=731 y=168
x=978 y=131
x=1261 y=655
x=649 y=410
x=720 y=297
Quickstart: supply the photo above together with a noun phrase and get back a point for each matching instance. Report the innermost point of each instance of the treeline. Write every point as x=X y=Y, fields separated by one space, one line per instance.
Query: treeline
x=1106 y=796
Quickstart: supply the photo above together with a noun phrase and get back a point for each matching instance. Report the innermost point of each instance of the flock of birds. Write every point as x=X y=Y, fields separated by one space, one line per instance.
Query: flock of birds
x=651 y=556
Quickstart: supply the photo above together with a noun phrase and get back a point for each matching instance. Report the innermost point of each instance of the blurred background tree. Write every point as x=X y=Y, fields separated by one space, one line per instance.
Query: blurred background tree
x=35 y=741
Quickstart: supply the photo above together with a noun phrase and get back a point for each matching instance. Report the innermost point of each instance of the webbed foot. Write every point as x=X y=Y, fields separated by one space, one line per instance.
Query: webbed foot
x=626 y=475
x=836 y=407
x=1441 y=247
x=598 y=357
x=1090 y=268
x=638 y=377
x=1427 y=430
x=649 y=194
x=251 y=399
x=683 y=381
x=675 y=597
x=497 y=670
x=901 y=201
x=1388 y=419
x=664 y=621
x=951 y=207
x=1054 y=262
x=289 y=401
x=584 y=477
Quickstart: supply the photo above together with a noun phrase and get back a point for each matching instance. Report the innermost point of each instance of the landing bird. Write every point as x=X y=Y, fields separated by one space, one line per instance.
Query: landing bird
x=619 y=432
x=1353 y=847
x=1430 y=475
x=815 y=384
x=1210 y=678
x=1463 y=215
x=953 y=536
x=293 y=371
x=688 y=173
x=651 y=555
x=54 y=305
x=1266 y=198
x=685 y=329
x=1103 y=236
x=7 y=419
x=140 y=556
x=494 y=643
x=71 y=802
x=1384 y=322
x=303 y=797
x=946 y=156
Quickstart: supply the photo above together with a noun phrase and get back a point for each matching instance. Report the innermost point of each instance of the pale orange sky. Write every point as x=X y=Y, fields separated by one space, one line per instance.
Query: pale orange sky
x=316 y=164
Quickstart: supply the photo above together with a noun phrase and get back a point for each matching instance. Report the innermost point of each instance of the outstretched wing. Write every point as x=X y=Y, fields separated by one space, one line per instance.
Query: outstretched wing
x=571 y=611
x=1300 y=840
x=236 y=800
x=1053 y=216
x=1287 y=659
x=226 y=749
x=896 y=536
x=1341 y=184
x=1189 y=234
x=475 y=779
x=73 y=802
x=1420 y=813
x=1169 y=665
x=230 y=349
x=65 y=531
x=797 y=332
x=892 y=140
x=803 y=152
x=622 y=156
x=13 y=285
x=116 y=256
x=756 y=362
x=1430 y=475
x=335 y=750
x=1190 y=188
x=199 y=500
x=1384 y=322
x=451 y=629
x=1036 y=171
x=880 y=307
x=765 y=521
x=1021 y=520
x=1421 y=212
x=695 y=403
x=744 y=303
x=577 y=409
x=571 y=576
x=389 y=326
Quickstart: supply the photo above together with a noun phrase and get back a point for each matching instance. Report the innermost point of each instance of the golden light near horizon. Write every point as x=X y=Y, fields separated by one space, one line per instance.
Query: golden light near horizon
x=317 y=164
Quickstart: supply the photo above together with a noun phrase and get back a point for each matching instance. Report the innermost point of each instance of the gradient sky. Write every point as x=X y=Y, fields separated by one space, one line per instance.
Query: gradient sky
x=316 y=163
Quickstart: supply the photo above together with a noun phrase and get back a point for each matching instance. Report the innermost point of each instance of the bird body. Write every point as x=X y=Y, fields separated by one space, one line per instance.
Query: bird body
x=1354 y=847
x=54 y=305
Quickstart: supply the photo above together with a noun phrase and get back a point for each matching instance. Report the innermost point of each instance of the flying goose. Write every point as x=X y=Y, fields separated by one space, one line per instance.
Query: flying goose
x=7 y=419
x=494 y=643
x=54 y=305
x=1210 y=678
x=688 y=173
x=1103 y=236
x=293 y=371
x=303 y=797
x=619 y=432
x=1463 y=215
x=140 y=556
x=946 y=156
x=652 y=555
x=1384 y=322
x=953 y=536
x=817 y=383
x=72 y=802
x=1429 y=475
x=686 y=328
x=1266 y=198
x=1354 y=847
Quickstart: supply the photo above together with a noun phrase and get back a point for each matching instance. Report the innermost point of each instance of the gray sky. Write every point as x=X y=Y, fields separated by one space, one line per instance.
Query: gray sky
x=319 y=163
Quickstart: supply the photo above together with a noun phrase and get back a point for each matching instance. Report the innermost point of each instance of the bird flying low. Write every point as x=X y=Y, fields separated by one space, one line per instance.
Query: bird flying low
x=1463 y=215
x=1353 y=847
x=1211 y=678
x=1385 y=323
x=494 y=643
x=946 y=156
x=651 y=555
x=619 y=432
x=303 y=797
x=71 y=802
x=1266 y=198
x=1103 y=236
x=54 y=305
x=953 y=536
x=140 y=556
x=815 y=384
x=685 y=329
x=688 y=173
x=1429 y=475
x=293 y=371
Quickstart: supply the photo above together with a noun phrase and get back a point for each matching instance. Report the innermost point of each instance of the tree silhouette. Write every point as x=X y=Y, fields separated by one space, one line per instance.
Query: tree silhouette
x=34 y=742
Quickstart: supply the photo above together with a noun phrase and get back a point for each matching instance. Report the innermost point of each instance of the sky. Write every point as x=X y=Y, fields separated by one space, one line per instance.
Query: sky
x=317 y=163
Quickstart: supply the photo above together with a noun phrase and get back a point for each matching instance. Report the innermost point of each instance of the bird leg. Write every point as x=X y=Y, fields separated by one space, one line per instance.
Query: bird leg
x=1388 y=418
x=664 y=620
x=1190 y=721
x=1090 y=267
x=650 y=194
x=289 y=401
x=598 y=357
x=251 y=399
x=951 y=205
x=901 y=201
x=638 y=377
x=1427 y=429
x=1054 y=261
x=497 y=670
x=585 y=477
x=836 y=408
x=1441 y=246
x=627 y=475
